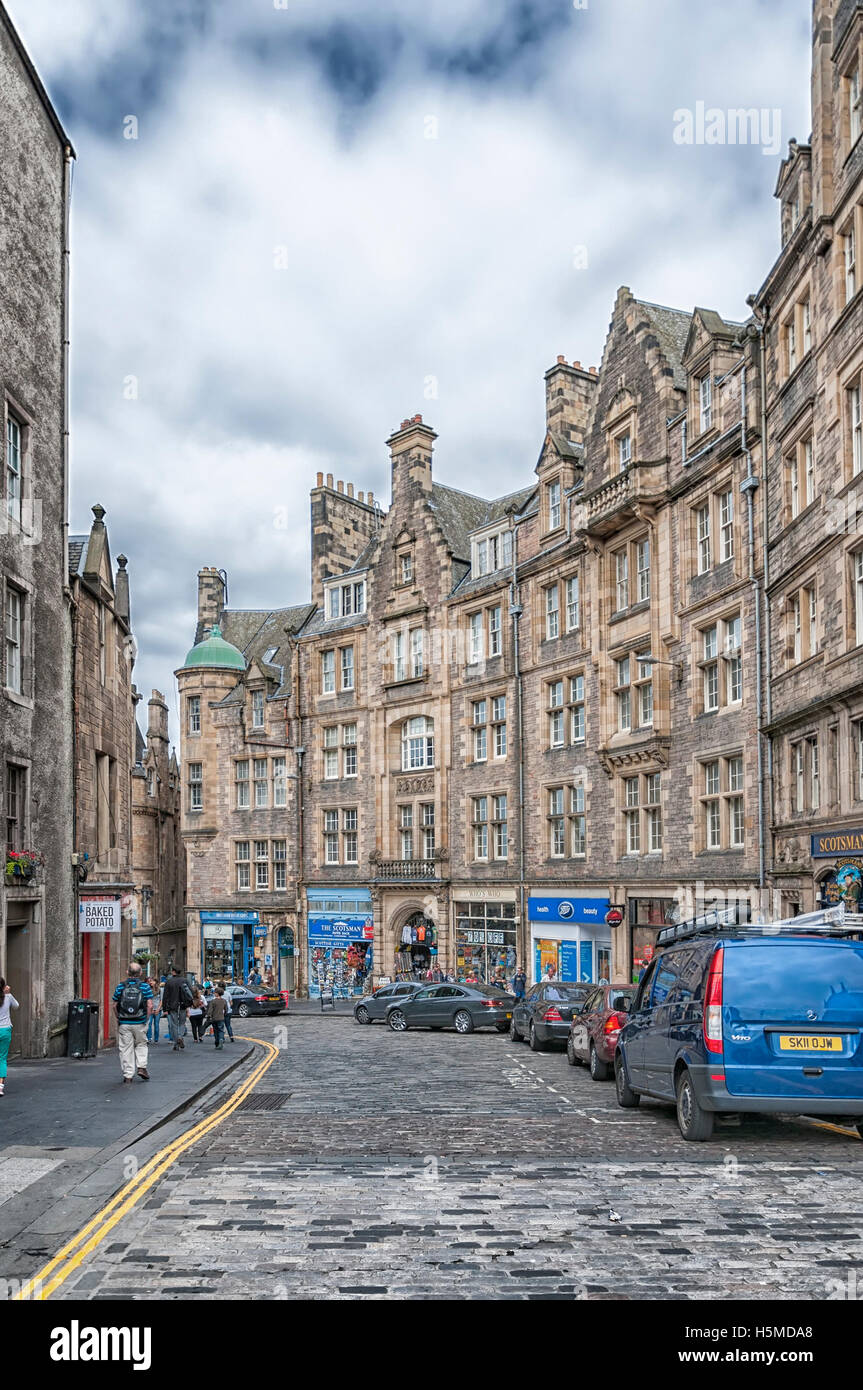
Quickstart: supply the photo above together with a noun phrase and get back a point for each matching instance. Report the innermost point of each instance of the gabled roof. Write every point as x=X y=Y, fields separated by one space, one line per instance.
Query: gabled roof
x=255 y=630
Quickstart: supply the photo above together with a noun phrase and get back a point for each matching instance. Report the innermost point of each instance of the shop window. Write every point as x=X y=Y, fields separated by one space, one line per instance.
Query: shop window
x=485 y=943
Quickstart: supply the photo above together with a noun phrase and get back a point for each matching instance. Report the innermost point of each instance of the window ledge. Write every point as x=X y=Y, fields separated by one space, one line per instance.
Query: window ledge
x=25 y=701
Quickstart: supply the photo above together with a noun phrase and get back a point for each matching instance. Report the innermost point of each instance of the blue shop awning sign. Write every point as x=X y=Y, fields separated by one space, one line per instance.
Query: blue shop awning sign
x=568 y=909
x=247 y=919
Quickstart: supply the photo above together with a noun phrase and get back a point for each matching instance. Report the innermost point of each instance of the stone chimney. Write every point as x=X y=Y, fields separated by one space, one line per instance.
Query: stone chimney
x=569 y=394
x=410 y=449
x=342 y=524
x=211 y=599
x=157 y=717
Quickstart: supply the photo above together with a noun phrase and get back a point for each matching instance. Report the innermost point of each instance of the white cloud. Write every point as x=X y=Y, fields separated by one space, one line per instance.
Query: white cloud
x=407 y=258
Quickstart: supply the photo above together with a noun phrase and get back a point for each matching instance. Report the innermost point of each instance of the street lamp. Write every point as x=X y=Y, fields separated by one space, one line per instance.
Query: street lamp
x=648 y=660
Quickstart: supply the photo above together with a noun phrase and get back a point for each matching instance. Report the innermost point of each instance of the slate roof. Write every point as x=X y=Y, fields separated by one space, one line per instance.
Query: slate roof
x=671 y=327
x=140 y=745
x=77 y=550
x=255 y=630
x=459 y=514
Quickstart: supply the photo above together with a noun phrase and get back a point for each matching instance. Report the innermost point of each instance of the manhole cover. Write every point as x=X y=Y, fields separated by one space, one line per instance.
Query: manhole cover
x=268 y=1100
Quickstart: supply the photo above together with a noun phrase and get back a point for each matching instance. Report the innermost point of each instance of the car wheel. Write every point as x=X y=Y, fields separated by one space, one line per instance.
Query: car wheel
x=535 y=1044
x=362 y=1015
x=599 y=1071
x=695 y=1124
x=570 y=1053
x=627 y=1099
x=463 y=1022
x=397 y=1021
x=243 y=1010
x=514 y=1034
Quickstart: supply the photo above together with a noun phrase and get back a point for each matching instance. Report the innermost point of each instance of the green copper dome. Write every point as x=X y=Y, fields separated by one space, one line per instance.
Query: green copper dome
x=215 y=651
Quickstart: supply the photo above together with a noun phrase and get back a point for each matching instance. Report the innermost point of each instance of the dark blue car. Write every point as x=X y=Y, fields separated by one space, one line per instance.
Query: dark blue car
x=736 y=1020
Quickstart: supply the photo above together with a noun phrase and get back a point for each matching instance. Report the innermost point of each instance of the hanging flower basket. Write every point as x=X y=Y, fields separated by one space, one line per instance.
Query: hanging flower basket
x=21 y=865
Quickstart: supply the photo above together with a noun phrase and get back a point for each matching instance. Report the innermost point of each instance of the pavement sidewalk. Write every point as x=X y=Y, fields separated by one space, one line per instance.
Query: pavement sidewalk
x=62 y=1103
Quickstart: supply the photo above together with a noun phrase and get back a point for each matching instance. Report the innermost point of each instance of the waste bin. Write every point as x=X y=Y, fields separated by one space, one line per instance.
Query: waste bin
x=82 y=1028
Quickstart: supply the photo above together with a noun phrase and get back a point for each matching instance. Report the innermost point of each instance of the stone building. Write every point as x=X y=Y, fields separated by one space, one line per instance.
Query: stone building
x=810 y=309
x=103 y=733
x=36 y=914
x=158 y=857
x=240 y=794
x=632 y=689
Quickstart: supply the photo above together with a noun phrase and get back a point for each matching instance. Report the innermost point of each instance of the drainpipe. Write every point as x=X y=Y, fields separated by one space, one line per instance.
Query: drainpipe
x=516 y=611
x=749 y=486
x=761 y=316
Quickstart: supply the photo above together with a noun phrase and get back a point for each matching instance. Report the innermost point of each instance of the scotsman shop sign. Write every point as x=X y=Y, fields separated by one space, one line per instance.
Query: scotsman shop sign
x=99 y=914
x=832 y=842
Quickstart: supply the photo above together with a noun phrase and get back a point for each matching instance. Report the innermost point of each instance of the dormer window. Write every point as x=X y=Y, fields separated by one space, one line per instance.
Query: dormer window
x=705 y=403
x=492 y=553
x=257 y=709
x=343 y=600
x=553 y=508
x=269 y=654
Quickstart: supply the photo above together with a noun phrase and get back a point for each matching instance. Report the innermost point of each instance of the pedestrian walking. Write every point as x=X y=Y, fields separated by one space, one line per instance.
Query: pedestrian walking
x=519 y=984
x=176 y=998
x=8 y=1002
x=154 y=1022
x=228 y=1011
x=216 y=1015
x=197 y=1009
x=133 y=1003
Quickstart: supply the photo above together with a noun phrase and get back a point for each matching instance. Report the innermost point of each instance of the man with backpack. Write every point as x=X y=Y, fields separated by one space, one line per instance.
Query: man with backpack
x=176 y=998
x=133 y=1004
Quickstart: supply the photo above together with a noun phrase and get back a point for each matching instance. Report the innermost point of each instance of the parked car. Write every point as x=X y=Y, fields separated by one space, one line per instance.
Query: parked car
x=762 y=1020
x=373 y=1007
x=462 y=1007
x=595 y=1029
x=248 y=1003
x=545 y=1013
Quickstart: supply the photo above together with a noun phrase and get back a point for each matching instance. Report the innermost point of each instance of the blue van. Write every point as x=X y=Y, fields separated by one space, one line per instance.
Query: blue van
x=749 y=1019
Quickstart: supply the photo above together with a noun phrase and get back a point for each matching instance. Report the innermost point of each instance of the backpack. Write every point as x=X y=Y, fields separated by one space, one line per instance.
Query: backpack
x=131 y=1002
x=186 y=995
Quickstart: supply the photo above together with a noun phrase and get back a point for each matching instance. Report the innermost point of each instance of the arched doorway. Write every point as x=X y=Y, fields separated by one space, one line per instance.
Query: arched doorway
x=416 y=946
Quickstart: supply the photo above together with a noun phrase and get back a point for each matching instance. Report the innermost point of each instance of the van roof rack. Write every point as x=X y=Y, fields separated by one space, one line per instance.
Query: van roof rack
x=830 y=921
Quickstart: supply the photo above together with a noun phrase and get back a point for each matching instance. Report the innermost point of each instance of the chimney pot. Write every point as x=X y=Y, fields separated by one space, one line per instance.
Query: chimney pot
x=593 y=371
x=562 y=360
x=371 y=499
x=577 y=364
x=417 y=420
x=361 y=496
x=320 y=480
x=350 y=489
x=340 y=485
x=329 y=480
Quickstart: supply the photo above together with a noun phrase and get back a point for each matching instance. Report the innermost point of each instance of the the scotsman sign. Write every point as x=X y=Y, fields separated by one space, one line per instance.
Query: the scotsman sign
x=833 y=842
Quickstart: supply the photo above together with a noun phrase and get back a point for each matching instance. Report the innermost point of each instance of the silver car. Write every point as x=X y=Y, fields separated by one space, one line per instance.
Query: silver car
x=373 y=1007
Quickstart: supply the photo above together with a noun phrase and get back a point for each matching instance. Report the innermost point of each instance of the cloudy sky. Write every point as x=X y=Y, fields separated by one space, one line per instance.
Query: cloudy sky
x=337 y=213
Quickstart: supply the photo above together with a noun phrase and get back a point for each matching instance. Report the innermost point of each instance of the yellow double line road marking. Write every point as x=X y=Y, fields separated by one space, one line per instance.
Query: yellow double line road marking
x=67 y=1260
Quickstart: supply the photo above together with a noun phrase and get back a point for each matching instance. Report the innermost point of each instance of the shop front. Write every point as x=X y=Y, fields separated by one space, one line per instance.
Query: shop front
x=340 y=941
x=569 y=938
x=486 y=936
x=838 y=859
x=230 y=944
x=647 y=916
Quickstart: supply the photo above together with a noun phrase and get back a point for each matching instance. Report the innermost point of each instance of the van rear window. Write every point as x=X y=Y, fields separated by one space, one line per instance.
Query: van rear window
x=778 y=981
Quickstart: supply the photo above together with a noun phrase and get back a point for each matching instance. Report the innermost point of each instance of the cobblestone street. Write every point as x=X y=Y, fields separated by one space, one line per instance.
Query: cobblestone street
x=434 y=1165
